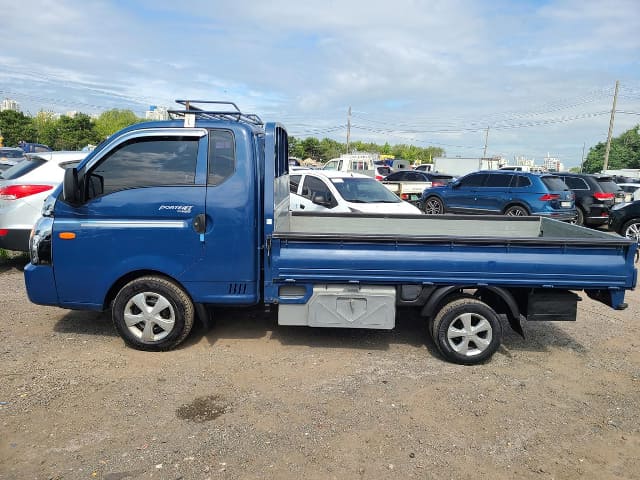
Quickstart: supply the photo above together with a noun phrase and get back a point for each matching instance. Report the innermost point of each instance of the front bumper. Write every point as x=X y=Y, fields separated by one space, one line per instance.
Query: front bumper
x=41 y=284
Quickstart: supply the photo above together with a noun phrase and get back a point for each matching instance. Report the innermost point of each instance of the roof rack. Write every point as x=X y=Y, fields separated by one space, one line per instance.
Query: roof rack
x=191 y=112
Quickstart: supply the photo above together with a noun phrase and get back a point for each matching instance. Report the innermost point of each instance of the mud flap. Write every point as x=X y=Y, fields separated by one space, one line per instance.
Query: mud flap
x=611 y=298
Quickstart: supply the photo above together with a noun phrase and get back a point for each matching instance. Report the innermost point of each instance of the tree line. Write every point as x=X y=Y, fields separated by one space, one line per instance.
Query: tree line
x=75 y=132
x=624 y=153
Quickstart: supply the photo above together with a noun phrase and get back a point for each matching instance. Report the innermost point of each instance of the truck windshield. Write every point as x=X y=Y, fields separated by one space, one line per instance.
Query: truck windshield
x=364 y=190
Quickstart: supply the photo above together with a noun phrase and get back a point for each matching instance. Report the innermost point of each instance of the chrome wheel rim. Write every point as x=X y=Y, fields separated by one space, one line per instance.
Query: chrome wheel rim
x=469 y=334
x=633 y=232
x=516 y=212
x=433 y=207
x=149 y=317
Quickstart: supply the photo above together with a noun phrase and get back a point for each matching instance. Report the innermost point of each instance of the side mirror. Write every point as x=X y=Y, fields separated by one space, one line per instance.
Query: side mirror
x=71 y=186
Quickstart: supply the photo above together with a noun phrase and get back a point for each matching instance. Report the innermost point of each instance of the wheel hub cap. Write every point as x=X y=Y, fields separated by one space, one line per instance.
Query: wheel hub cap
x=469 y=334
x=149 y=316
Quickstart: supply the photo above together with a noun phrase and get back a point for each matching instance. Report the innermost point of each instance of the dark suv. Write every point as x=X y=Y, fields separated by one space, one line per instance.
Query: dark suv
x=502 y=192
x=595 y=195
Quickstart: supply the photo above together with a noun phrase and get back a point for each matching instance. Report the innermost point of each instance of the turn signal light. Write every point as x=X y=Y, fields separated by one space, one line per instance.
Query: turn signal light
x=15 y=192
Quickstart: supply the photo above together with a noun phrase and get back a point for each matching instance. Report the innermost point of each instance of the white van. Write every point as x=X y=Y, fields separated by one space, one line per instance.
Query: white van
x=353 y=162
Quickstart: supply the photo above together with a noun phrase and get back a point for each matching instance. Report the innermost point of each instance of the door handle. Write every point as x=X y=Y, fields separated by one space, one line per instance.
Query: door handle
x=200 y=223
x=301 y=207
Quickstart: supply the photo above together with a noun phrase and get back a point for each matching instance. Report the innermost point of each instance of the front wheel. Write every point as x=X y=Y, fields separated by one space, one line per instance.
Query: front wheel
x=152 y=313
x=433 y=206
x=631 y=229
x=466 y=331
x=516 y=211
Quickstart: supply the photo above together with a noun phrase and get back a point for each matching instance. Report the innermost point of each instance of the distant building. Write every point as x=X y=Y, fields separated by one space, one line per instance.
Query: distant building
x=156 y=113
x=71 y=113
x=553 y=164
x=8 y=104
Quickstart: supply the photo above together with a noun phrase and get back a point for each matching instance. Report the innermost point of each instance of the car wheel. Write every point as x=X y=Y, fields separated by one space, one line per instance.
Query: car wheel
x=631 y=229
x=516 y=211
x=579 y=217
x=466 y=331
x=433 y=206
x=152 y=313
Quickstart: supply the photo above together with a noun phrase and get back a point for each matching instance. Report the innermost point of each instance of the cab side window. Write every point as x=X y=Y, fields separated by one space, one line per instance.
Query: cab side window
x=222 y=156
x=145 y=162
x=294 y=182
x=317 y=191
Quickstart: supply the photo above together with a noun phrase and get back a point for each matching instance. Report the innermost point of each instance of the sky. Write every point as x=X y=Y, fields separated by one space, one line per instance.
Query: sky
x=539 y=74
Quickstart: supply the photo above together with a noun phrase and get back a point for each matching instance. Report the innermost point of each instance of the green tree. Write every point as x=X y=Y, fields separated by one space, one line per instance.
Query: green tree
x=111 y=121
x=74 y=133
x=46 y=125
x=296 y=148
x=16 y=126
x=624 y=153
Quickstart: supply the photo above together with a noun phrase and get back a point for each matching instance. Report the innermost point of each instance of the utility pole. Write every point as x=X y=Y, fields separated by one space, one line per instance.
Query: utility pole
x=348 y=128
x=613 y=114
x=486 y=138
x=584 y=144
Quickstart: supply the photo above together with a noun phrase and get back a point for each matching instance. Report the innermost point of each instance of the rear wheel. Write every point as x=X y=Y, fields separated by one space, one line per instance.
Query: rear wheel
x=579 y=216
x=433 y=206
x=152 y=313
x=516 y=211
x=466 y=331
x=631 y=229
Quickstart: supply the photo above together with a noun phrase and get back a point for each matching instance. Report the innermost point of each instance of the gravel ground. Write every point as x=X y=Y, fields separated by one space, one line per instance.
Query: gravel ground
x=249 y=400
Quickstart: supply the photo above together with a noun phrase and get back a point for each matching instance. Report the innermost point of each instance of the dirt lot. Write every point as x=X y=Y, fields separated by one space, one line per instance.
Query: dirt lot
x=249 y=400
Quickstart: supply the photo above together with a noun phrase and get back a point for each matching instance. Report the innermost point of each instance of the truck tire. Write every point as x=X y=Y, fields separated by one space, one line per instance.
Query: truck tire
x=631 y=229
x=433 y=206
x=516 y=211
x=466 y=331
x=153 y=313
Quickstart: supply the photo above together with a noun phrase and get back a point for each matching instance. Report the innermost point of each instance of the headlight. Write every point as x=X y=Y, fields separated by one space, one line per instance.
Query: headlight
x=40 y=242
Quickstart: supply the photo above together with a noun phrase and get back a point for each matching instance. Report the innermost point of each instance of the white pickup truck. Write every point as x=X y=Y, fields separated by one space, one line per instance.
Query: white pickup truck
x=408 y=185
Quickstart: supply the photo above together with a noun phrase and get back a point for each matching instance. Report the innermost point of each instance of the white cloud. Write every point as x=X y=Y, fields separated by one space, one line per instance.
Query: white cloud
x=415 y=67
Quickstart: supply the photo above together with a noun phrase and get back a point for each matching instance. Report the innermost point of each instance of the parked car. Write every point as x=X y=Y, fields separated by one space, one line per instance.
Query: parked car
x=631 y=191
x=424 y=167
x=23 y=189
x=9 y=157
x=34 y=147
x=382 y=171
x=595 y=195
x=332 y=191
x=502 y=192
x=625 y=220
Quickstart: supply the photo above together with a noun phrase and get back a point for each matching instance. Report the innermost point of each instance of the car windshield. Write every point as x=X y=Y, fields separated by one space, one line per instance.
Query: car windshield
x=554 y=184
x=364 y=190
x=22 y=168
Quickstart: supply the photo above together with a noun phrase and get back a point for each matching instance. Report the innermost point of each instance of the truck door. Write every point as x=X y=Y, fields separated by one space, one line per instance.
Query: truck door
x=144 y=196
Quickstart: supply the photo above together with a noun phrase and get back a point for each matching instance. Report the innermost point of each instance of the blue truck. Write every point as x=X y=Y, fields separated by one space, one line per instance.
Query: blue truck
x=165 y=220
